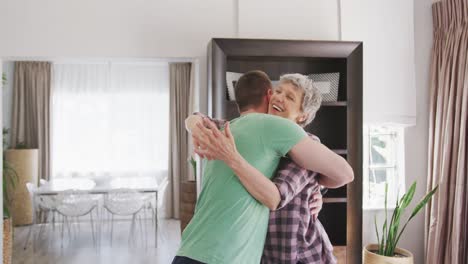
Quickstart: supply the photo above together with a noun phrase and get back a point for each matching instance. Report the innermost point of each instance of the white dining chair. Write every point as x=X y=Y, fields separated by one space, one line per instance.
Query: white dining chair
x=42 y=207
x=125 y=202
x=72 y=205
x=150 y=199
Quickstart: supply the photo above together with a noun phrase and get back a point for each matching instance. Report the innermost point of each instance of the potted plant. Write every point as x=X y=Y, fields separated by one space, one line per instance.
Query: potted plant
x=188 y=199
x=193 y=163
x=25 y=161
x=386 y=250
x=9 y=181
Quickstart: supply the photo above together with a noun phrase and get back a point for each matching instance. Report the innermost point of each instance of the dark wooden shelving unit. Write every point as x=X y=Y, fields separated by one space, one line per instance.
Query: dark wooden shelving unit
x=337 y=124
x=343 y=152
x=327 y=104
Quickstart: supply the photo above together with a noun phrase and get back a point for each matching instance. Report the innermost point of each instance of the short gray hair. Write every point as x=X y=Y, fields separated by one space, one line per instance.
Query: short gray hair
x=312 y=97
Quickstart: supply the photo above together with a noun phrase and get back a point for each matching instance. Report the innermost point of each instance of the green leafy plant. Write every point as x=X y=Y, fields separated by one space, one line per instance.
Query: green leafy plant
x=390 y=235
x=21 y=145
x=193 y=162
x=4 y=79
x=9 y=180
x=9 y=177
x=5 y=143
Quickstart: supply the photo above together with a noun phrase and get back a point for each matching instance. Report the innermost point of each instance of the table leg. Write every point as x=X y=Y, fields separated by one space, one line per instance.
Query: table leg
x=156 y=219
x=34 y=222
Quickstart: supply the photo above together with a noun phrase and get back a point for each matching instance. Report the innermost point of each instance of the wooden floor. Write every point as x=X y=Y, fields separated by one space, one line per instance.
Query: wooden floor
x=80 y=249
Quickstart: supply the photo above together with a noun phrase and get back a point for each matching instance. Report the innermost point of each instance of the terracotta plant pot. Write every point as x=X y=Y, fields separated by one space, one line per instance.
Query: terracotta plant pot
x=369 y=257
x=7 y=240
x=188 y=200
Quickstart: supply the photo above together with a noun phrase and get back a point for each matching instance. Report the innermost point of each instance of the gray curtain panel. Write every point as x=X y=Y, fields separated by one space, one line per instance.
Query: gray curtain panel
x=447 y=214
x=31 y=110
x=179 y=94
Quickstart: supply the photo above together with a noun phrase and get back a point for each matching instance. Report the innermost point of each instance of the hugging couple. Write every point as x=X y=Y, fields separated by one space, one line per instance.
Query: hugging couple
x=261 y=185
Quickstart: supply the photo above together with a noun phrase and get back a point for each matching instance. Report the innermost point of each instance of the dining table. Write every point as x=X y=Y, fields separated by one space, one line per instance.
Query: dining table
x=103 y=186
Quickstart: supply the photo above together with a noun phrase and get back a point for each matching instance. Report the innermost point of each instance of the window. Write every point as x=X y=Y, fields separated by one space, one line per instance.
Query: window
x=383 y=163
x=110 y=119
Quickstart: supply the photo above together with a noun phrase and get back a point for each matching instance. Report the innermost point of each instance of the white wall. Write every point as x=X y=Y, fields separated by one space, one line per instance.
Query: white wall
x=386 y=29
x=108 y=28
x=416 y=137
x=292 y=19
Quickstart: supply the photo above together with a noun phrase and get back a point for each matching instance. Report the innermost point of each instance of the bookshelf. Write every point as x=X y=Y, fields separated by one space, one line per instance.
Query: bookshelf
x=337 y=124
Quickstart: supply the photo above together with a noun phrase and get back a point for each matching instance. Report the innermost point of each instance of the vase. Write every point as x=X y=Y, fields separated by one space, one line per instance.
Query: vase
x=370 y=257
x=26 y=164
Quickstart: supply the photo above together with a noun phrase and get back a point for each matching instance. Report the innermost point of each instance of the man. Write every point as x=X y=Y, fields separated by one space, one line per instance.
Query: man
x=229 y=225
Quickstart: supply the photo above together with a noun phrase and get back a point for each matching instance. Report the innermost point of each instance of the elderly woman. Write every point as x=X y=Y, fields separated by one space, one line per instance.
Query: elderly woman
x=293 y=236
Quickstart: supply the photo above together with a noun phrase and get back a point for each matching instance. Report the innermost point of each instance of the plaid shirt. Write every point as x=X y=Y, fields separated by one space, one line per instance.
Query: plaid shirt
x=293 y=236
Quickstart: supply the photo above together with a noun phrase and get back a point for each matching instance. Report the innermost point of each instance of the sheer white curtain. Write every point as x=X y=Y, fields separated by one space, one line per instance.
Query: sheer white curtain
x=110 y=119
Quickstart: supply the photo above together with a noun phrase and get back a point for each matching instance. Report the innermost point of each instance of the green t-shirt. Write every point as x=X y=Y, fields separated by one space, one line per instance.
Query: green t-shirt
x=229 y=225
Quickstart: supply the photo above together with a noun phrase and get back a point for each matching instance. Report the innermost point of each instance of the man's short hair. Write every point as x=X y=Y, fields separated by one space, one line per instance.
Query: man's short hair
x=251 y=88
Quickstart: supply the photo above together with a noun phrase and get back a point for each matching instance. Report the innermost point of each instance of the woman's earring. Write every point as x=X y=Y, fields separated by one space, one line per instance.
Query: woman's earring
x=303 y=118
